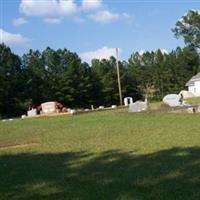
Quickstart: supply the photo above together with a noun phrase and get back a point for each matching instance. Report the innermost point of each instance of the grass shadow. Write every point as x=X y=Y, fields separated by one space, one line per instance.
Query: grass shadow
x=164 y=175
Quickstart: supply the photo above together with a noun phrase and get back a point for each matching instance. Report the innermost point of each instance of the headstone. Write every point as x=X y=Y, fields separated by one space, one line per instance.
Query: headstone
x=32 y=113
x=23 y=116
x=128 y=101
x=48 y=107
x=172 y=100
x=113 y=106
x=72 y=111
x=191 y=110
x=198 y=109
x=101 y=107
x=64 y=109
x=186 y=94
x=92 y=107
x=138 y=106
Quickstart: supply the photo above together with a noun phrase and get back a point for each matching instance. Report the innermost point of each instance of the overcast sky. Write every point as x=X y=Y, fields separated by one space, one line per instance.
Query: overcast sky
x=92 y=28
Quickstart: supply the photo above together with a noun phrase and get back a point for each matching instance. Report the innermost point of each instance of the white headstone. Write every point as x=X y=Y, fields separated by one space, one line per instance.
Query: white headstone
x=128 y=101
x=138 y=106
x=190 y=110
x=72 y=111
x=172 y=100
x=32 y=112
x=186 y=94
x=23 y=116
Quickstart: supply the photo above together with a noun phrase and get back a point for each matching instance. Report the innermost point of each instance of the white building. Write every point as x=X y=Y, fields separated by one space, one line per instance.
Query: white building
x=194 y=85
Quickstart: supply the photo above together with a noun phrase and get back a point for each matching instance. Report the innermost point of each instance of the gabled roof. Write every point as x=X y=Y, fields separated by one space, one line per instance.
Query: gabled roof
x=193 y=79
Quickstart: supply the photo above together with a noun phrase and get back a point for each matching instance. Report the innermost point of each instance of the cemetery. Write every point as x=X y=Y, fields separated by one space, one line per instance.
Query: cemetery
x=98 y=101
x=135 y=149
x=144 y=148
x=174 y=103
x=56 y=109
x=138 y=148
x=171 y=103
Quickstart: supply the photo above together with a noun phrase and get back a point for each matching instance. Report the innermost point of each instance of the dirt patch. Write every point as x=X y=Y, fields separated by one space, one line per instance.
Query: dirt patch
x=21 y=145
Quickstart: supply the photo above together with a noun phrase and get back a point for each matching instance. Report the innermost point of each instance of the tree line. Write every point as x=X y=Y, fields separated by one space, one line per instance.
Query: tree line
x=60 y=75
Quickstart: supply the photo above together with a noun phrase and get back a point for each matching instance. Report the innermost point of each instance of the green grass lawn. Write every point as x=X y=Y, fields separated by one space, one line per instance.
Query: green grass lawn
x=112 y=155
x=193 y=101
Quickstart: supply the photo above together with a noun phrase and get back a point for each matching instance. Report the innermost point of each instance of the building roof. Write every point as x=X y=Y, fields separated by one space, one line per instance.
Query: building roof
x=193 y=79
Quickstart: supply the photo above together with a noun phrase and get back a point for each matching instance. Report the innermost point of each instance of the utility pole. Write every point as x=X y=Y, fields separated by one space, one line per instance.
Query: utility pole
x=118 y=77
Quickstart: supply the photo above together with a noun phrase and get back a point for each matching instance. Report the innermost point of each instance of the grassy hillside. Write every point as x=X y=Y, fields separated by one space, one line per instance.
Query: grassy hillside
x=112 y=155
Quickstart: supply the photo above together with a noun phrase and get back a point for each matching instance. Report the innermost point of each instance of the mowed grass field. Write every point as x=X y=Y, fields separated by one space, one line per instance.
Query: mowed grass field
x=111 y=155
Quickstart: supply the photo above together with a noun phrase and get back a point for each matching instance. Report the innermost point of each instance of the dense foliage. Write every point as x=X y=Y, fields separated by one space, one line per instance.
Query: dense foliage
x=60 y=75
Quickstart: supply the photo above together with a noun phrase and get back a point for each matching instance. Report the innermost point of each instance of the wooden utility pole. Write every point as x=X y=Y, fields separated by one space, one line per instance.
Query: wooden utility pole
x=118 y=77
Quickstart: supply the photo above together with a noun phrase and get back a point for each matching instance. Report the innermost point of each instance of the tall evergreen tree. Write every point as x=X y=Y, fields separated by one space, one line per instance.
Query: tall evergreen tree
x=34 y=69
x=10 y=82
